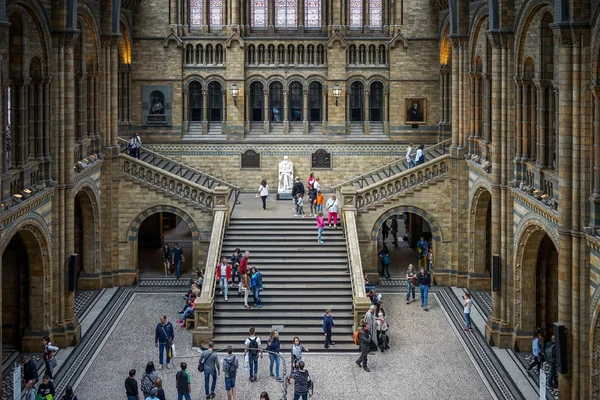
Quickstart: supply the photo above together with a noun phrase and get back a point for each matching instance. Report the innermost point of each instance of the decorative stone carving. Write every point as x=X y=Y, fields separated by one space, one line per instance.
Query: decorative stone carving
x=286 y=176
x=156 y=105
x=250 y=160
x=321 y=159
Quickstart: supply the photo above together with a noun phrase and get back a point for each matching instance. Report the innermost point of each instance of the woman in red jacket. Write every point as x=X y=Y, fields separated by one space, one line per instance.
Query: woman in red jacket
x=224 y=276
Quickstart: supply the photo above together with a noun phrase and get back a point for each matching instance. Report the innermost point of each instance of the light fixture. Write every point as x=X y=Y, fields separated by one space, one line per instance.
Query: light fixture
x=235 y=91
x=337 y=92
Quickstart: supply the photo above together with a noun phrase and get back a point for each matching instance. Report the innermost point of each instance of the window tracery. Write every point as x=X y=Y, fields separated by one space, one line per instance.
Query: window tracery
x=286 y=13
x=196 y=13
x=312 y=13
x=216 y=13
x=375 y=13
x=356 y=13
x=259 y=13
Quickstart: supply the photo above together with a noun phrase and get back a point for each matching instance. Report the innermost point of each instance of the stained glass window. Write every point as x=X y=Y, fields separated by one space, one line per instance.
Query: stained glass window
x=312 y=13
x=285 y=13
x=375 y=13
x=356 y=14
x=260 y=13
x=216 y=13
x=196 y=13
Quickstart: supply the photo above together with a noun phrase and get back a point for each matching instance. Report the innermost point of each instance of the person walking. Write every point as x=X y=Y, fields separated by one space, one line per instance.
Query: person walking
x=385 y=230
x=384 y=255
x=230 y=367
x=297 y=350
x=382 y=327
x=246 y=287
x=30 y=370
x=160 y=392
x=317 y=184
x=274 y=347
x=536 y=346
x=148 y=378
x=467 y=303
x=420 y=157
x=163 y=339
x=178 y=258
x=236 y=257
x=424 y=280
x=302 y=382
x=134 y=145
x=328 y=328
x=429 y=259
x=333 y=207
x=69 y=395
x=210 y=360
x=364 y=343
x=297 y=188
x=409 y=161
x=320 y=227
x=166 y=256
x=183 y=383
x=48 y=353
x=411 y=283
x=263 y=192
x=224 y=276
x=422 y=249
x=394 y=230
x=299 y=206
x=320 y=201
x=369 y=319
x=253 y=349
x=552 y=381
x=30 y=393
x=131 y=386
x=256 y=286
x=312 y=199
x=243 y=268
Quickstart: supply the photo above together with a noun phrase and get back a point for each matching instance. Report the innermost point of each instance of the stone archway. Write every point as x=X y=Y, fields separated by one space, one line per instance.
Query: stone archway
x=87 y=233
x=536 y=283
x=26 y=266
x=480 y=249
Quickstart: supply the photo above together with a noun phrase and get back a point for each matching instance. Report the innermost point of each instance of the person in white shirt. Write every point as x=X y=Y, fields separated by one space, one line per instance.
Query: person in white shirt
x=316 y=184
x=333 y=207
x=467 y=302
x=420 y=157
x=134 y=144
x=409 y=159
x=263 y=192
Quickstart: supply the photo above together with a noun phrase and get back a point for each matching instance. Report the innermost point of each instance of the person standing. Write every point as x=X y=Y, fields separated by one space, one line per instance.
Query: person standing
x=183 y=383
x=536 y=346
x=369 y=319
x=552 y=380
x=131 y=386
x=302 y=382
x=160 y=392
x=243 y=268
x=394 y=230
x=134 y=144
x=48 y=353
x=153 y=394
x=178 y=258
x=166 y=255
x=210 y=359
x=384 y=255
x=467 y=303
x=264 y=396
x=312 y=199
x=385 y=230
x=230 y=367
x=263 y=192
x=299 y=206
x=224 y=276
x=163 y=339
x=409 y=161
x=382 y=326
x=364 y=343
x=420 y=157
x=320 y=201
x=148 y=379
x=253 y=349
x=328 y=328
x=333 y=207
x=429 y=259
x=311 y=180
x=30 y=391
x=422 y=249
x=411 y=283
x=30 y=370
x=320 y=227
x=297 y=189
x=236 y=257
x=424 y=280
x=256 y=286
x=46 y=388
x=297 y=350
x=246 y=287
x=274 y=347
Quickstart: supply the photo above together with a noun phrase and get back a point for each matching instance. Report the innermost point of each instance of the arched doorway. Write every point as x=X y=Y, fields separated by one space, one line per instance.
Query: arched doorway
x=276 y=101
x=296 y=98
x=85 y=233
x=480 y=232
x=215 y=100
x=155 y=231
x=356 y=101
x=315 y=101
x=195 y=89
x=257 y=99
x=376 y=102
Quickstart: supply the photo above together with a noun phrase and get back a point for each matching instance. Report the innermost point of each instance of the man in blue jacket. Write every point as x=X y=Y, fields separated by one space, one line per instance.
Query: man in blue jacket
x=327 y=328
x=163 y=339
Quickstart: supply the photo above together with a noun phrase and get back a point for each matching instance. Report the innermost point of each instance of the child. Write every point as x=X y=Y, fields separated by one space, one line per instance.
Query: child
x=320 y=201
x=299 y=205
x=320 y=226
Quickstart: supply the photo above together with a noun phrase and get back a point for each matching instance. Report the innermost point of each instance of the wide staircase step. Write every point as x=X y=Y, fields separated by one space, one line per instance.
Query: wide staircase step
x=301 y=277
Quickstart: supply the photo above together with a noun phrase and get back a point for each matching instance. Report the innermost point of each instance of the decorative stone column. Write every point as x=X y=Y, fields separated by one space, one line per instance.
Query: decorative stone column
x=23 y=90
x=31 y=130
x=595 y=199
x=39 y=146
x=305 y=94
x=286 y=111
x=185 y=110
x=324 y=110
x=266 y=111
x=541 y=124
x=224 y=112
x=205 y=116
x=47 y=128
x=386 y=112
x=519 y=129
x=366 y=113
x=532 y=122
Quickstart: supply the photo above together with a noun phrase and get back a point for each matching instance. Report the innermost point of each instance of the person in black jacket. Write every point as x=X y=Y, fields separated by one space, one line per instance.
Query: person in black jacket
x=424 y=281
x=163 y=339
x=364 y=343
x=298 y=188
x=46 y=387
x=30 y=370
x=131 y=386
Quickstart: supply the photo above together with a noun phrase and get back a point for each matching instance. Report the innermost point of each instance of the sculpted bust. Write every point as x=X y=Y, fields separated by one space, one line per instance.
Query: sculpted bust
x=157 y=107
x=286 y=175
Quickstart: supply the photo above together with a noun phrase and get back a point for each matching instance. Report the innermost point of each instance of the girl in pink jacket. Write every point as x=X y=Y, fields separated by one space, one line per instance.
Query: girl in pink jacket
x=320 y=226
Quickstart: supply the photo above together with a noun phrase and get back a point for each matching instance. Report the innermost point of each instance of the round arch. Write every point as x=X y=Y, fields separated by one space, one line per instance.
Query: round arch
x=480 y=238
x=524 y=24
x=89 y=243
x=436 y=229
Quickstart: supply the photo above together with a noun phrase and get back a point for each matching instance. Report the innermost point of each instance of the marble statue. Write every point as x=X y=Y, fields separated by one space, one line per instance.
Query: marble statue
x=286 y=175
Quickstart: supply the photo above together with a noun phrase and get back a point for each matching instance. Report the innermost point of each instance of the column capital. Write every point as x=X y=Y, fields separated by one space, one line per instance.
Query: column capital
x=570 y=34
x=596 y=92
x=499 y=38
x=458 y=41
x=65 y=37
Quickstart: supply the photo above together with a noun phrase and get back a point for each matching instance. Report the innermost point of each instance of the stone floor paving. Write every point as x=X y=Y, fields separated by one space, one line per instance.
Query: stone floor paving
x=425 y=347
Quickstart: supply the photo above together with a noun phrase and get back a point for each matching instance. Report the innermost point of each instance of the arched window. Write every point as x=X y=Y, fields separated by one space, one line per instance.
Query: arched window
x=356 y=101
x=296 y=101
x=356 y=13
x=196 y=13
x=286 y=13
x=375 y=13
x=312 y=13
x=376 y=102
x=259 y=13
x=314 y=101
x=256 y=102
x=276 y=101
x=195 y=89
x=215 y=98
x=216 y=13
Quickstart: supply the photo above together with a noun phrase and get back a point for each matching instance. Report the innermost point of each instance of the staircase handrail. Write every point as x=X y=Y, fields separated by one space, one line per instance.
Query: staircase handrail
x=388 y=167
x=408 y=179
x=185 y=189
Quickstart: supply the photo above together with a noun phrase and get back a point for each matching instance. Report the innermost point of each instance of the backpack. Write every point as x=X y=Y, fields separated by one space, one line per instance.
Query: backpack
x=253 y=347
x=231 y=368
x=550 y=354
x=146 y=385
x=356 y=339
x=385 y=258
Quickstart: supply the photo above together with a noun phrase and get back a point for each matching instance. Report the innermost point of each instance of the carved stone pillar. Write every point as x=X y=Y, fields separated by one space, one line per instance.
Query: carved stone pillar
x=532 y=122
x=23 y=90
x=205 y=116
x=519 y=128
x=366 y=112
x=386 y=112
x=541 y=125
x=305 y=94
x=39 y=146
x=47 y=129
x=526 y=126
x=324 y=110
x=31 y=130
x=286 y=111
x=185 y=110
x=266 y=110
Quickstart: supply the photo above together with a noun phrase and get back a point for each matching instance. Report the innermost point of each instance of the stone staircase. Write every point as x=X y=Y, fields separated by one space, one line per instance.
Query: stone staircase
x=301 y=279
x=194 y=131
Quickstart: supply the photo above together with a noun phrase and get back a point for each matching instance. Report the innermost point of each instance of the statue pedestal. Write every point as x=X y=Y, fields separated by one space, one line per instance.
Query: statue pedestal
x=284 y=195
